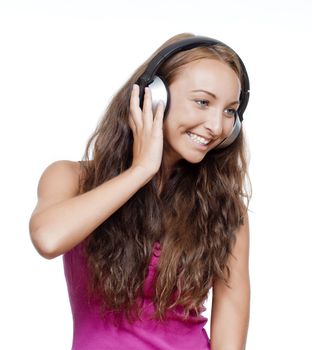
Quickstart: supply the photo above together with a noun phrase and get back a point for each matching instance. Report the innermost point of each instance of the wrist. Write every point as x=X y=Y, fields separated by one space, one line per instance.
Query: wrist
x=145 y=174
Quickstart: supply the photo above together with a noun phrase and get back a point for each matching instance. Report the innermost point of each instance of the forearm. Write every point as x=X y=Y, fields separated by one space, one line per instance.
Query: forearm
x=230 y=319
x=63 y=225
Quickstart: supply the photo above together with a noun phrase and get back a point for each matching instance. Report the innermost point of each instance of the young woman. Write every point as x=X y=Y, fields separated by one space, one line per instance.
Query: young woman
x=158 y=216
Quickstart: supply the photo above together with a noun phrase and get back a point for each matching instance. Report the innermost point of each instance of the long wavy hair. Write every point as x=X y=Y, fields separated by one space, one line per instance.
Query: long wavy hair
x=195 y=218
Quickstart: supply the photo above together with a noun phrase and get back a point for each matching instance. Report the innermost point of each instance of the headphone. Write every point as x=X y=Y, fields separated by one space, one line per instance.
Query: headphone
x=160 y=91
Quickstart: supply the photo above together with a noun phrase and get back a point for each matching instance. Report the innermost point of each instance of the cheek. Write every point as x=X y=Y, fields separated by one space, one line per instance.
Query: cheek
x=171 y=123
x=180 y=118
x=168 y=130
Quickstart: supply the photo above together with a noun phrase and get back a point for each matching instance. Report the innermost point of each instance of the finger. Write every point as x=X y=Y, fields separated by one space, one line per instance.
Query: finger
x=132 y=124
x=159 y=115
x=135 y=110
x=147 y=108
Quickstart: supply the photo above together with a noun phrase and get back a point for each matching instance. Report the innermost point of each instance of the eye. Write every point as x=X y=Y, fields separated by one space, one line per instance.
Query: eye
x=204 y=101
x=231 y=111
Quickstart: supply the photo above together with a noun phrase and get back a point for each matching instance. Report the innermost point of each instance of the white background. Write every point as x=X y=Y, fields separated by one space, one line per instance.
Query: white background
x=62 y=61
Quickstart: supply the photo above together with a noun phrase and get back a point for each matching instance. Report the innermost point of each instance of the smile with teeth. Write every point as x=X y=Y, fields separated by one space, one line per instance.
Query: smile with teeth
x=197 y=138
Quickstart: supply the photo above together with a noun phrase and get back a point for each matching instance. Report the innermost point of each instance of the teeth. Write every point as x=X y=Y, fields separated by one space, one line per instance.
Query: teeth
x=198 y=139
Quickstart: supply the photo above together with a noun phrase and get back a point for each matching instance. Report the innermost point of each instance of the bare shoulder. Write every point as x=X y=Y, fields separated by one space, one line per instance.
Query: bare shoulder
x=59 y=181
x=63 y=170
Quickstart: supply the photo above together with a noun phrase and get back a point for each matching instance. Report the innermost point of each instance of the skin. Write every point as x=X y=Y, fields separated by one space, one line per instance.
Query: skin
x=199 y=112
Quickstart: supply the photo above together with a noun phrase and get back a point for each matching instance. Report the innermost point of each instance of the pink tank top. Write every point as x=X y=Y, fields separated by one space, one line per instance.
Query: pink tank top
x=91 y=332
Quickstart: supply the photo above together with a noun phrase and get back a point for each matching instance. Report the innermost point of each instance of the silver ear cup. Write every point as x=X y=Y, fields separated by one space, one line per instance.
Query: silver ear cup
x=158 y=92
x=233 y=135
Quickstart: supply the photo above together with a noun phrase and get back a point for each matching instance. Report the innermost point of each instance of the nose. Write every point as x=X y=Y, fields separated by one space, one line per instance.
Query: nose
x=214 y=123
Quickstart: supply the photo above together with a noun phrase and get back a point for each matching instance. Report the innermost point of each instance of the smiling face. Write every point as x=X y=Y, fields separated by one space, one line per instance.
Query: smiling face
x=210 y=115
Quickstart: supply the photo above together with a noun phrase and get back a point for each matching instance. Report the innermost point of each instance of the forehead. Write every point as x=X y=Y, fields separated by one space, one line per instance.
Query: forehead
x=206 y=72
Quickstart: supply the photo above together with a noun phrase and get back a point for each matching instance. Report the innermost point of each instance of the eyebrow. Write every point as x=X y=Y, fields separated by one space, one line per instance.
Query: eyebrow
x=213 y=95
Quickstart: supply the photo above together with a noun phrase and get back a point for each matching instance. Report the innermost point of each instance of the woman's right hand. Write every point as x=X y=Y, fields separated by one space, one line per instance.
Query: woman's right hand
x=147 y=131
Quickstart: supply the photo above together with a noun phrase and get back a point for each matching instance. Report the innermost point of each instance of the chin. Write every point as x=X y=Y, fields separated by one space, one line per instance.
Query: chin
x=194 y=160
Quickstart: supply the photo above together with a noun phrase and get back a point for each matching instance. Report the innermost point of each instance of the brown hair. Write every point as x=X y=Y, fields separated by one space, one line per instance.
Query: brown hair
x=195 y=217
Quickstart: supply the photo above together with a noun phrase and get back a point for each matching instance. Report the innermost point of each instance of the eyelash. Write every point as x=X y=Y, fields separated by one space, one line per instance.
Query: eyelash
x=234 y=111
